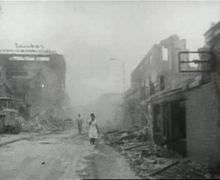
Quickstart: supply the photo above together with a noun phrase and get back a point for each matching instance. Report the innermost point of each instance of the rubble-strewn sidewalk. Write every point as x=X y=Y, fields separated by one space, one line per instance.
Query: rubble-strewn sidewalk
x=149 y=160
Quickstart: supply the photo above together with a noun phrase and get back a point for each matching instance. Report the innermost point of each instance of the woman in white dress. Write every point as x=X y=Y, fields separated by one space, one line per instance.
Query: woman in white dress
x=93 y=130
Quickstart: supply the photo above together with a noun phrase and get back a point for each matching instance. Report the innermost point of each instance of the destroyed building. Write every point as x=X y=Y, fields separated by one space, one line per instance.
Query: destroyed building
x=185 y=105
x=158 y=71
x=36 y=79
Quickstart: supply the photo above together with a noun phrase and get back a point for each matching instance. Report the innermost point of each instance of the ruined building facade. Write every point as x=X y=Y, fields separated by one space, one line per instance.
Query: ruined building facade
x=158 y=71
x=36 y=83
x=185 y=106
x=203 y=108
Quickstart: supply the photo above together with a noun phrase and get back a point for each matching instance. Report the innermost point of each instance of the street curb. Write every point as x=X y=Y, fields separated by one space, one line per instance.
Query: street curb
x=24 y=138
x=15 y=140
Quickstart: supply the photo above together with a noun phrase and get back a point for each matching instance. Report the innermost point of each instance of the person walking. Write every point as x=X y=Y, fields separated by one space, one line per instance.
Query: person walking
x=93 y=130
x=79 y=122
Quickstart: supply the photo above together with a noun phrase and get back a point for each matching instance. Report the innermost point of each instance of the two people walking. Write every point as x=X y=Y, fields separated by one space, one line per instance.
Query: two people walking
x=93 y=129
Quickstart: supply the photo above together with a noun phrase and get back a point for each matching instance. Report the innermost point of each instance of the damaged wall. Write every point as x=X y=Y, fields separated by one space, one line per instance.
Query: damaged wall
x=203 y=109
x=38 y=85
x=158 y=71
x=202 y=118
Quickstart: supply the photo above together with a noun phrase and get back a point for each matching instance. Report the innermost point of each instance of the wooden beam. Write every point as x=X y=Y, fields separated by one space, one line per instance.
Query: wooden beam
x=135 y=146
x=162 y=119
x=170 y=121
x=164 y=169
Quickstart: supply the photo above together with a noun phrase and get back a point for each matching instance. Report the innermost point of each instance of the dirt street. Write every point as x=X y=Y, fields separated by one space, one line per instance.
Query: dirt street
x=61 y=156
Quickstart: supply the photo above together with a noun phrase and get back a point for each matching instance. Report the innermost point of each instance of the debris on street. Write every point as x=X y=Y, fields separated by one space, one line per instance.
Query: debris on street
x=148 y=163
x=46 y=122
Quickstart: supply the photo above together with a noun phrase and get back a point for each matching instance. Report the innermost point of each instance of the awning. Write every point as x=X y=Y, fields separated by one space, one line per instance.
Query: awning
x=172 y=95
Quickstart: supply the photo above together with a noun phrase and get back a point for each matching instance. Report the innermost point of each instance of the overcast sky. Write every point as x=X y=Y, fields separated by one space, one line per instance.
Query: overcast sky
x=89 y=34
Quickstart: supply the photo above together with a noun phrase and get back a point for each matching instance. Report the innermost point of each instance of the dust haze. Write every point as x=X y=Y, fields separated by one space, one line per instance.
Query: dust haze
x=90 y=34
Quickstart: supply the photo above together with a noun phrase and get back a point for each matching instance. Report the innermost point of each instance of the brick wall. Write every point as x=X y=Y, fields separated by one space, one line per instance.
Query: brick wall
x=202 y=114
x=203 y=111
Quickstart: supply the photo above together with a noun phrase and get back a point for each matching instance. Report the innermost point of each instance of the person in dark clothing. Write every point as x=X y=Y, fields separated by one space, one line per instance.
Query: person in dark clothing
x=79 y=122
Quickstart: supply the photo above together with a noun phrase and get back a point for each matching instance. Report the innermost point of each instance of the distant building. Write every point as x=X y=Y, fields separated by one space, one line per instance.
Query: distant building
x=5 y=87
x=36 y=80
x=108 y=109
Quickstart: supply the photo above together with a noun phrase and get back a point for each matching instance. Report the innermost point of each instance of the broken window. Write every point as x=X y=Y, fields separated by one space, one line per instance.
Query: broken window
x=195 y=61
x=157 y=119
x=152 y=89
x=165 y=53
x=162 y=83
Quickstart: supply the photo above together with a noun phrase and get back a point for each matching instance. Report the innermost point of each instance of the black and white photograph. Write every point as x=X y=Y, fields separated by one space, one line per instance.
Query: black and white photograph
x=111 y=89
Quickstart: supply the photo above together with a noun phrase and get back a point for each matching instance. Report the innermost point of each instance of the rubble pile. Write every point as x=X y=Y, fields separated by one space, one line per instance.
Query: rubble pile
x=46 y=122
x=187 y=170
x=117 y=137
x=150 y=160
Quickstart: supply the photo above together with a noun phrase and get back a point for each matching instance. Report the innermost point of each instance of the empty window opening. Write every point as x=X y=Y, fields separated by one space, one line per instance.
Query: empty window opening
x=165 y=53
